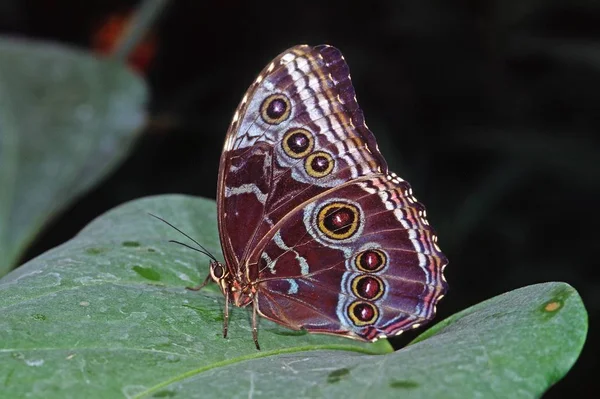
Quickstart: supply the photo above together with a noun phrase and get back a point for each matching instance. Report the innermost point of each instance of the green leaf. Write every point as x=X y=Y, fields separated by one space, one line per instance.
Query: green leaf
x=107 y=315
x=67 y=119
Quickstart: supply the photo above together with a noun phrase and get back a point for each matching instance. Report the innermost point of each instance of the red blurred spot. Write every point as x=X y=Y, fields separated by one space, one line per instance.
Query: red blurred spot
x=108 y=35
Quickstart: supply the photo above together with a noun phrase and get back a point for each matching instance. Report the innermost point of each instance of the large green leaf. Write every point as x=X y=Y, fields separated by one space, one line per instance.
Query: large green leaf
x=107 y=315
x=66 y=120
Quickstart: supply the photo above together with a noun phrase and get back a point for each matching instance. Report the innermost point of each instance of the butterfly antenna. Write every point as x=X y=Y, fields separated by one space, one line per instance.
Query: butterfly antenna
x=202 y=250
x=195 y=249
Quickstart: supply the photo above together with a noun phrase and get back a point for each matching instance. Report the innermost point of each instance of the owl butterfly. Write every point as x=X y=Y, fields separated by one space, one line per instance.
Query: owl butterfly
x=317 y=234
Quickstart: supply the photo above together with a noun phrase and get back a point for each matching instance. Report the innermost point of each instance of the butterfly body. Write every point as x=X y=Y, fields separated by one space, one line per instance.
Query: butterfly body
x=316 y=232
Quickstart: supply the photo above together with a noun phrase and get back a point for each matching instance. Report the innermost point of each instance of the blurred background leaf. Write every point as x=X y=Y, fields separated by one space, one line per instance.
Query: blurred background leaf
x=67 y=119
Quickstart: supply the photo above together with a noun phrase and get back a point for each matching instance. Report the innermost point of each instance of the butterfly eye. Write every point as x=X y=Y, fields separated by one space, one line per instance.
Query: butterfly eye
x=362 y=313
x=338 y=220
x=298 y=143
x=371 y=260
x=319 y=164
x=217 y=271
x=275 y=109
x=367 y=287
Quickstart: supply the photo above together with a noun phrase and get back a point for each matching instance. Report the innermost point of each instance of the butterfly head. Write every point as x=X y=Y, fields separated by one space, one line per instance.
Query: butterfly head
x=220 y=275
x=241 y=294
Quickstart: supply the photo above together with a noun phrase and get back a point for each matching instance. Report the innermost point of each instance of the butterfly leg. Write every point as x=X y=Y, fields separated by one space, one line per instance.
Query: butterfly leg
x=254 y=328
x=199 y=287
x=226 y=315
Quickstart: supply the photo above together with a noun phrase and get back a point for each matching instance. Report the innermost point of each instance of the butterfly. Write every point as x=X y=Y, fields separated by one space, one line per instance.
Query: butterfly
x=316 y=233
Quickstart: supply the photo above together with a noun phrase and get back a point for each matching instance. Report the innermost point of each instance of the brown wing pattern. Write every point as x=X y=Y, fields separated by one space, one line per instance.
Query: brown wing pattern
x=297 y=133
x=360 y=261
x=309 y=216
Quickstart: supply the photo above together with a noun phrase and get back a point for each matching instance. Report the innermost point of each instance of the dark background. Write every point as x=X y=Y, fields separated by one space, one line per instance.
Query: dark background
x=491 y=109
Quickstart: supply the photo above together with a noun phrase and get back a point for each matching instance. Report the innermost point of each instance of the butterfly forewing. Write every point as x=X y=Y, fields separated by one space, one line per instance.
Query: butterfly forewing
x=271 y=165
x=311 y=221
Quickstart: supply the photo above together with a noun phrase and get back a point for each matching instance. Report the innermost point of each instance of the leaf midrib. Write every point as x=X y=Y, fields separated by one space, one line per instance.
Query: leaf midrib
x=203 y=369
x=258 y=355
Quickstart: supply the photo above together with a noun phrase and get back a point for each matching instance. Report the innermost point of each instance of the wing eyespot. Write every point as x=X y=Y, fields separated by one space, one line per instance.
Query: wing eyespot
x=368 y=287
x=339 y=220
x=275 y=109
x=363 y=313
x=319 y=164
x=298 y=142
x=371 y=261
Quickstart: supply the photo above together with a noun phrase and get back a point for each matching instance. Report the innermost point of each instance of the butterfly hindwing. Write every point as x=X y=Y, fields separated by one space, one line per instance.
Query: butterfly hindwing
x=360 y=261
